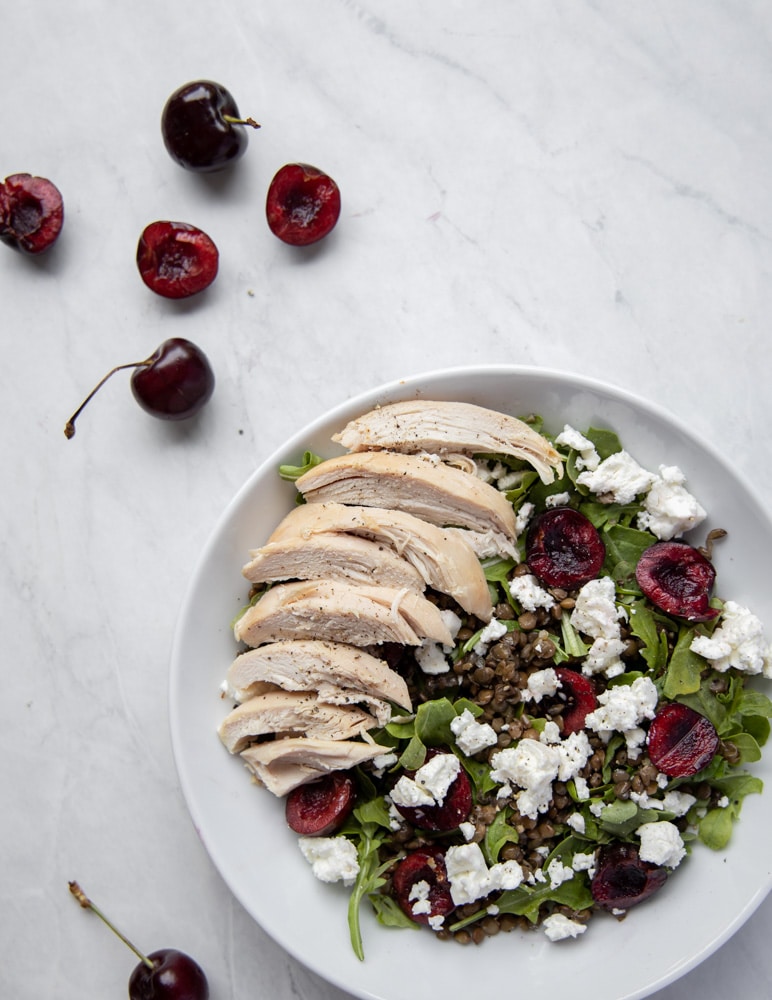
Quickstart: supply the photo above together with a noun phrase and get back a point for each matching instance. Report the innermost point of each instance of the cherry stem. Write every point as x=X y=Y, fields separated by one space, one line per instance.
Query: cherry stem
x=86 y=903
x=69 y=427
x=240 y=121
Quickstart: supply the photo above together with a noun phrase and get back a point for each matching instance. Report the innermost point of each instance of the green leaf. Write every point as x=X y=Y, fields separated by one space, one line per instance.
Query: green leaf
x=684 y=671
x=368 y=880
x=499 y=833
x=622 y=817
x=432 y=722
x=526 y=901
x=643 y=625
x=606 y=442
x=374 y=812
x=716 y=828
x=624 y=548
x=293 y=472
x=414 y=754
x=389 y=913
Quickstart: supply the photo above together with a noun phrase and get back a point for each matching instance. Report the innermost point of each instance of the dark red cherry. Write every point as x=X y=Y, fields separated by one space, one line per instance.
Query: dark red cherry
x=622 y=880
x=31 y=213
x=580 y=697
x=201 y=127
x=176 y=260
x=454 y=809
x=174 y=383
x=563 y=548
x=427 y=865
x=678 y=579
x=303 y=204
x=174 y=976
x=681 y=742
x=322 y=806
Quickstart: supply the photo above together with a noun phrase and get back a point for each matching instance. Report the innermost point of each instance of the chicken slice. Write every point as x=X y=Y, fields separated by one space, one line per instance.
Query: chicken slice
x=422 y=425
x=334 y=557
x=291 y=712
x=284 y=764
x=341 y=612
x=445 y=561
x=428 y=489
x=339 y=673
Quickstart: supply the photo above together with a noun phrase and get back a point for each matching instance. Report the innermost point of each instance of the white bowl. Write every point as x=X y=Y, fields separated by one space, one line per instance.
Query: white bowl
x=242 y=827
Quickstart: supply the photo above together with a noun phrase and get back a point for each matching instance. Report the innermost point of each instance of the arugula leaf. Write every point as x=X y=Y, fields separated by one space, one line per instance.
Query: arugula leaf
x=369 y=879
x=499 y=833
x=622 y=817
x=526 y=901
x=293 y=472
x=685 y=668
x=643 y=625
x=624 y=548
x=389 y=913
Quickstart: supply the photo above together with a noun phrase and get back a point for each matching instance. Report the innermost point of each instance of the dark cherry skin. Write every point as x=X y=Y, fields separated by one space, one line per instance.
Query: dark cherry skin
x=454 y=809
x=303 y=204
x=174 y=383
x=176 y=260
x=321 y=807
x=580 y=698
x=201 y=127
x=174 y=976
x=681 y=742
x=677 y=578
x=563 y=548
x=31 y=213
x=426 y=865
x=622 y=880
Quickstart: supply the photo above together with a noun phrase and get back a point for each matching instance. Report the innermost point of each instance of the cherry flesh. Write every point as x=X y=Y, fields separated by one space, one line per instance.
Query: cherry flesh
x=174 y=383
x=322 y=806
x=677 y=578
x=454 y=809
x=563 y=548
x=580 y=698
x=303 y=204
x=681 y=742
x=31 y=213
x=176 y=260
x=426 y=865
x=622 y=880
x=201 y=127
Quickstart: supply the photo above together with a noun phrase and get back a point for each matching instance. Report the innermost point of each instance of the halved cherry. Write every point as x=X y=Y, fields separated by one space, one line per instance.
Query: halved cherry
x=678 y=579
x=31 y=213
x=563 y=548
x=303 y=204
x=176 y=260
x=621 y=879
x=427 y=865
x=580 y=698
x=322 y=806
x=454 y=809
x=681 y=741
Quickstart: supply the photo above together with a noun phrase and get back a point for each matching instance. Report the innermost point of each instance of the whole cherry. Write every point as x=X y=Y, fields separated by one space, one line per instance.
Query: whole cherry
x=166 y=974
x=201 y=127
x=174 y=383
x=31 y=213
x=303 y=204
x=176 y=260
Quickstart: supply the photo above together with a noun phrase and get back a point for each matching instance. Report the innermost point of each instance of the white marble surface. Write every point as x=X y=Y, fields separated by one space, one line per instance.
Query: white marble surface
x=582 y=185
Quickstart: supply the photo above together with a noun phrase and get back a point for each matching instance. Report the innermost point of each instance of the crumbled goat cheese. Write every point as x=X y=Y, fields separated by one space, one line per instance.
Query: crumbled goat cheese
x=618 y=479
x=661 y=844
x=493 y=630
x=587 y=457
x=597 y=807
x=471 y=879
x=523 y=516
x=528 y=594
x=436 y=922
x=533 y=766
x=583 y=862
x=622 y=709
x=384 y=761
x=669 y=509
x=576 y=822
x=739 y=642
x=581 y=787
x=558 y=873
x=332 y=859
x=430 y=784
x=467 y=831
x=541 y=684
x=419 y=897
x=678 y=803
x=550 y=733
x=471 y=735
x=557 y=500
x=575 y=750
x=604 y=657
x=558 y=927
x=595 y=612
x=431 y=658
x=451 y=621
x=723 y=802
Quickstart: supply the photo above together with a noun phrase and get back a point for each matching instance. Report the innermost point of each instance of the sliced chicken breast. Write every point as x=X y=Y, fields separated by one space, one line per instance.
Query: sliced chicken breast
x=284 y=764
x=341 y=612
x=428 y=489
x=445 y=560
x=291 y=713
x=336 y=556
x=439 y=427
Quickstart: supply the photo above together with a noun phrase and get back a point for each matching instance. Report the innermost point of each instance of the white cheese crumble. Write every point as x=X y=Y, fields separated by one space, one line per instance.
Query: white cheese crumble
x=431 y=658
x=557 y=500
x=493 y=630
x=471 y=735
x=529 y=594
x=618 y=479
x=522 y=517
x=558 y=927
x=739 y=642
x=430 y=784
x=596 y=614
x=661 y=844
x=622 y=709
x=587 y=456
x=332 y=859
x=467 y=831
x=678 y=803
x=533 y=765
x=541 y=684
x=419 y=897
x=471 y=879
x=558 y=873
x=576 y=822
x=669 y=509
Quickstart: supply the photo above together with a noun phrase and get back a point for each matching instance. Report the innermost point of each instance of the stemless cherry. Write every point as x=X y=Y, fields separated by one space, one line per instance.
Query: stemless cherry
x=426 y=865
x=303 y=204
x=201 y=127
x=677 y=578
x=166 y=974
x=176 y=260
x=622 y=880
x=681 y=741
x=580 y=698
x=563 y=548
x=174 y=383
x=322 y=806
x=454 y=809
x=31 y=213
